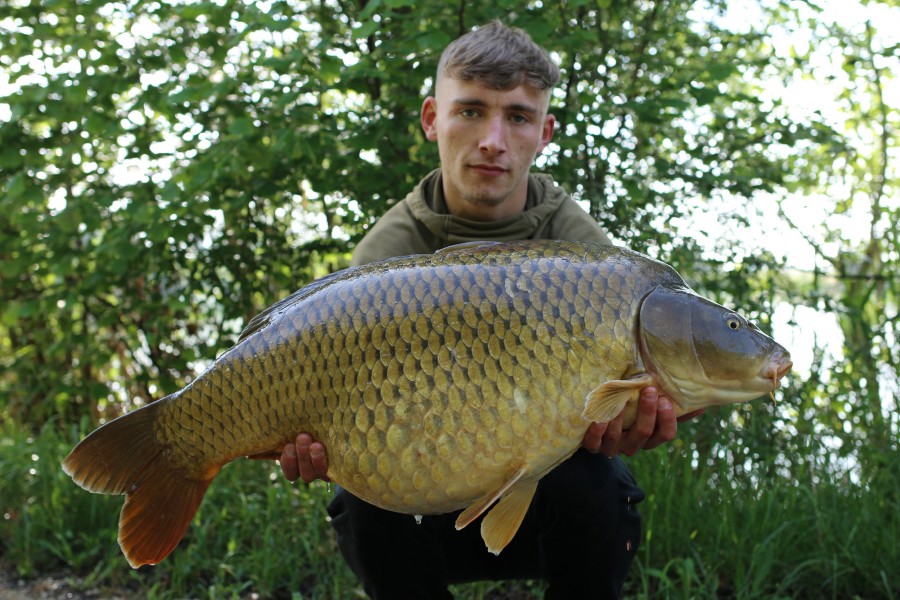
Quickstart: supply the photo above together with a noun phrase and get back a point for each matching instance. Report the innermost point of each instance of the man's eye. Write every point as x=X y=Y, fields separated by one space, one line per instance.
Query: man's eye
x=518 y=119
x=469 y=113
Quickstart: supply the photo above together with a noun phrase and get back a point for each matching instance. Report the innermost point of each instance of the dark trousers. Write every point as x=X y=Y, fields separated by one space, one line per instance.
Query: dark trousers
x=580 y=535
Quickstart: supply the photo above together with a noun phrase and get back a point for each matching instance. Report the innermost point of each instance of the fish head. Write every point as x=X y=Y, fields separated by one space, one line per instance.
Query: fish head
x=703 y=354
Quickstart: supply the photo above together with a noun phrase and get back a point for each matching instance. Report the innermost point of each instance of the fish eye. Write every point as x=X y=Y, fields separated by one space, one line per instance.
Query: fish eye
x=733 y=322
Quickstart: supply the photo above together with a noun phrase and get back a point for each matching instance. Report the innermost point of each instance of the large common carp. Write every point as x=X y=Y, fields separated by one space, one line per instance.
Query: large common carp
x=436 y=382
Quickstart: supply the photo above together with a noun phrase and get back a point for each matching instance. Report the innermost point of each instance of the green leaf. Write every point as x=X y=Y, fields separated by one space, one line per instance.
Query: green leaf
x=721 y=71
x=241 y=126
x=365 y=30
x=372 y=7
x=15 y=186
x=10 y=158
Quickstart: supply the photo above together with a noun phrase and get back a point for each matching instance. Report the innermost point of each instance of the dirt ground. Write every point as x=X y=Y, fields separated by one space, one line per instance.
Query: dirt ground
x=49 y=587
x=62 y=586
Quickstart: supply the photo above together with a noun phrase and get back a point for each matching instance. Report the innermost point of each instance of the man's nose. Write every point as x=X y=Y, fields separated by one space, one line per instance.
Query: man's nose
x=493 y=136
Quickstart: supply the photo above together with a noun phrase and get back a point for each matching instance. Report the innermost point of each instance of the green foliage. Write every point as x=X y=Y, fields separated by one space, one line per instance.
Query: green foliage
x=856 y=277
x=43 y=524
x=177 y=168
x=169 y=169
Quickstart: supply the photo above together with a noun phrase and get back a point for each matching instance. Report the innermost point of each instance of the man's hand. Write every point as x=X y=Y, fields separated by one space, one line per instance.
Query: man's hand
x=655 y=424
x=304 y=459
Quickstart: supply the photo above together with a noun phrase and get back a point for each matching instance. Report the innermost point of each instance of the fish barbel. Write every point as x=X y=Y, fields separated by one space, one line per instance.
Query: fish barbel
x=436 y=383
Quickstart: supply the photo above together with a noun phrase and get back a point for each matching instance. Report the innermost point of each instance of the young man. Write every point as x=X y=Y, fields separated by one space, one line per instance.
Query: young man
x=489 y=117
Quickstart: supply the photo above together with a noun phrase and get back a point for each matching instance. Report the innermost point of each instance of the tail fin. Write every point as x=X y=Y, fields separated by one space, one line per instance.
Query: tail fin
x=124 y=456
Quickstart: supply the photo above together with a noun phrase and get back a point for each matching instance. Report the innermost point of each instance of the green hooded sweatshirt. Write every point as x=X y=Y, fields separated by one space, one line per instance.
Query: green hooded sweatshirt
x=421 y=223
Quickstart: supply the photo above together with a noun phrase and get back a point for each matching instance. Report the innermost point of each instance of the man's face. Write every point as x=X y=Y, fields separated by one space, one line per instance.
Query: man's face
x=487 y=140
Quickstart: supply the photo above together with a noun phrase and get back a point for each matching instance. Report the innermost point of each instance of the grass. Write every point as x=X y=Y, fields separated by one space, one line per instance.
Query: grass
x=254 y=533
x=807 y=536
x=709 y=532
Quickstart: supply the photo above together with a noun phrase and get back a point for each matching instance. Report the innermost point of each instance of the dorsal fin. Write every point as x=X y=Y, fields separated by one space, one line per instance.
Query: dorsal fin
x=467 y=246
x=268 y=315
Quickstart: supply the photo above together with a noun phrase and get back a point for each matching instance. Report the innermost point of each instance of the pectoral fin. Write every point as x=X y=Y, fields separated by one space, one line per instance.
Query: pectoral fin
x=500 y=525
x=605 y=402
x=474 y=511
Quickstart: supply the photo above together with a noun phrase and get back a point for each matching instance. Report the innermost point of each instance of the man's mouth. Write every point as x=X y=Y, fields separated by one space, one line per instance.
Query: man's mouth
x=488 y=170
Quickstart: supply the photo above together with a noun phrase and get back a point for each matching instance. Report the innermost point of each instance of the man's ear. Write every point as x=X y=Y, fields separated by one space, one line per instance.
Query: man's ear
x=428 y=116
x=547 y=131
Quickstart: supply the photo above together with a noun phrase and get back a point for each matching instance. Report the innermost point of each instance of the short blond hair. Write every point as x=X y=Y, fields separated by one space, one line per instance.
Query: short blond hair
x=498 y=57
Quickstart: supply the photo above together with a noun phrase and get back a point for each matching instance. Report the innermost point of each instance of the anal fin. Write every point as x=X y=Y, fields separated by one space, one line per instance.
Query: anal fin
x=484 y=503
x=500 y=525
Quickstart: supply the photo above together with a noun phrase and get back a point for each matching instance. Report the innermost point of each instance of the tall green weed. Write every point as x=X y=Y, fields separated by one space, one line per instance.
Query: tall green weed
x=710 y=531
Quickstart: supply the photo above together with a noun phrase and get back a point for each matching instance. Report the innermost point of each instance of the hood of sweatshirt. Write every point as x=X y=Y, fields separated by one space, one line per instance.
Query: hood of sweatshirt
x=427 y=203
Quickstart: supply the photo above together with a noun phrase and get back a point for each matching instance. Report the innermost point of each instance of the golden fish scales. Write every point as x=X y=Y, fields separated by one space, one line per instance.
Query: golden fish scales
x=421 y=383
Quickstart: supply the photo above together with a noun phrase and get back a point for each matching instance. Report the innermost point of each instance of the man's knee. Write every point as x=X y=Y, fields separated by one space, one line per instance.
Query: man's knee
x=589 y=486
x=392 y=555
x=588 y=523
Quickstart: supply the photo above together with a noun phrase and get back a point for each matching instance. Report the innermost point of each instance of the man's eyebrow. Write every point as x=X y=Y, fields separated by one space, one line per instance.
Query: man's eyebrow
x=525 y=108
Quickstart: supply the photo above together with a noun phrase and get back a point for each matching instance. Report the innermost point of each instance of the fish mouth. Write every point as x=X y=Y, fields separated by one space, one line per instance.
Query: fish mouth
x=693 y=394
x=780 y=366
